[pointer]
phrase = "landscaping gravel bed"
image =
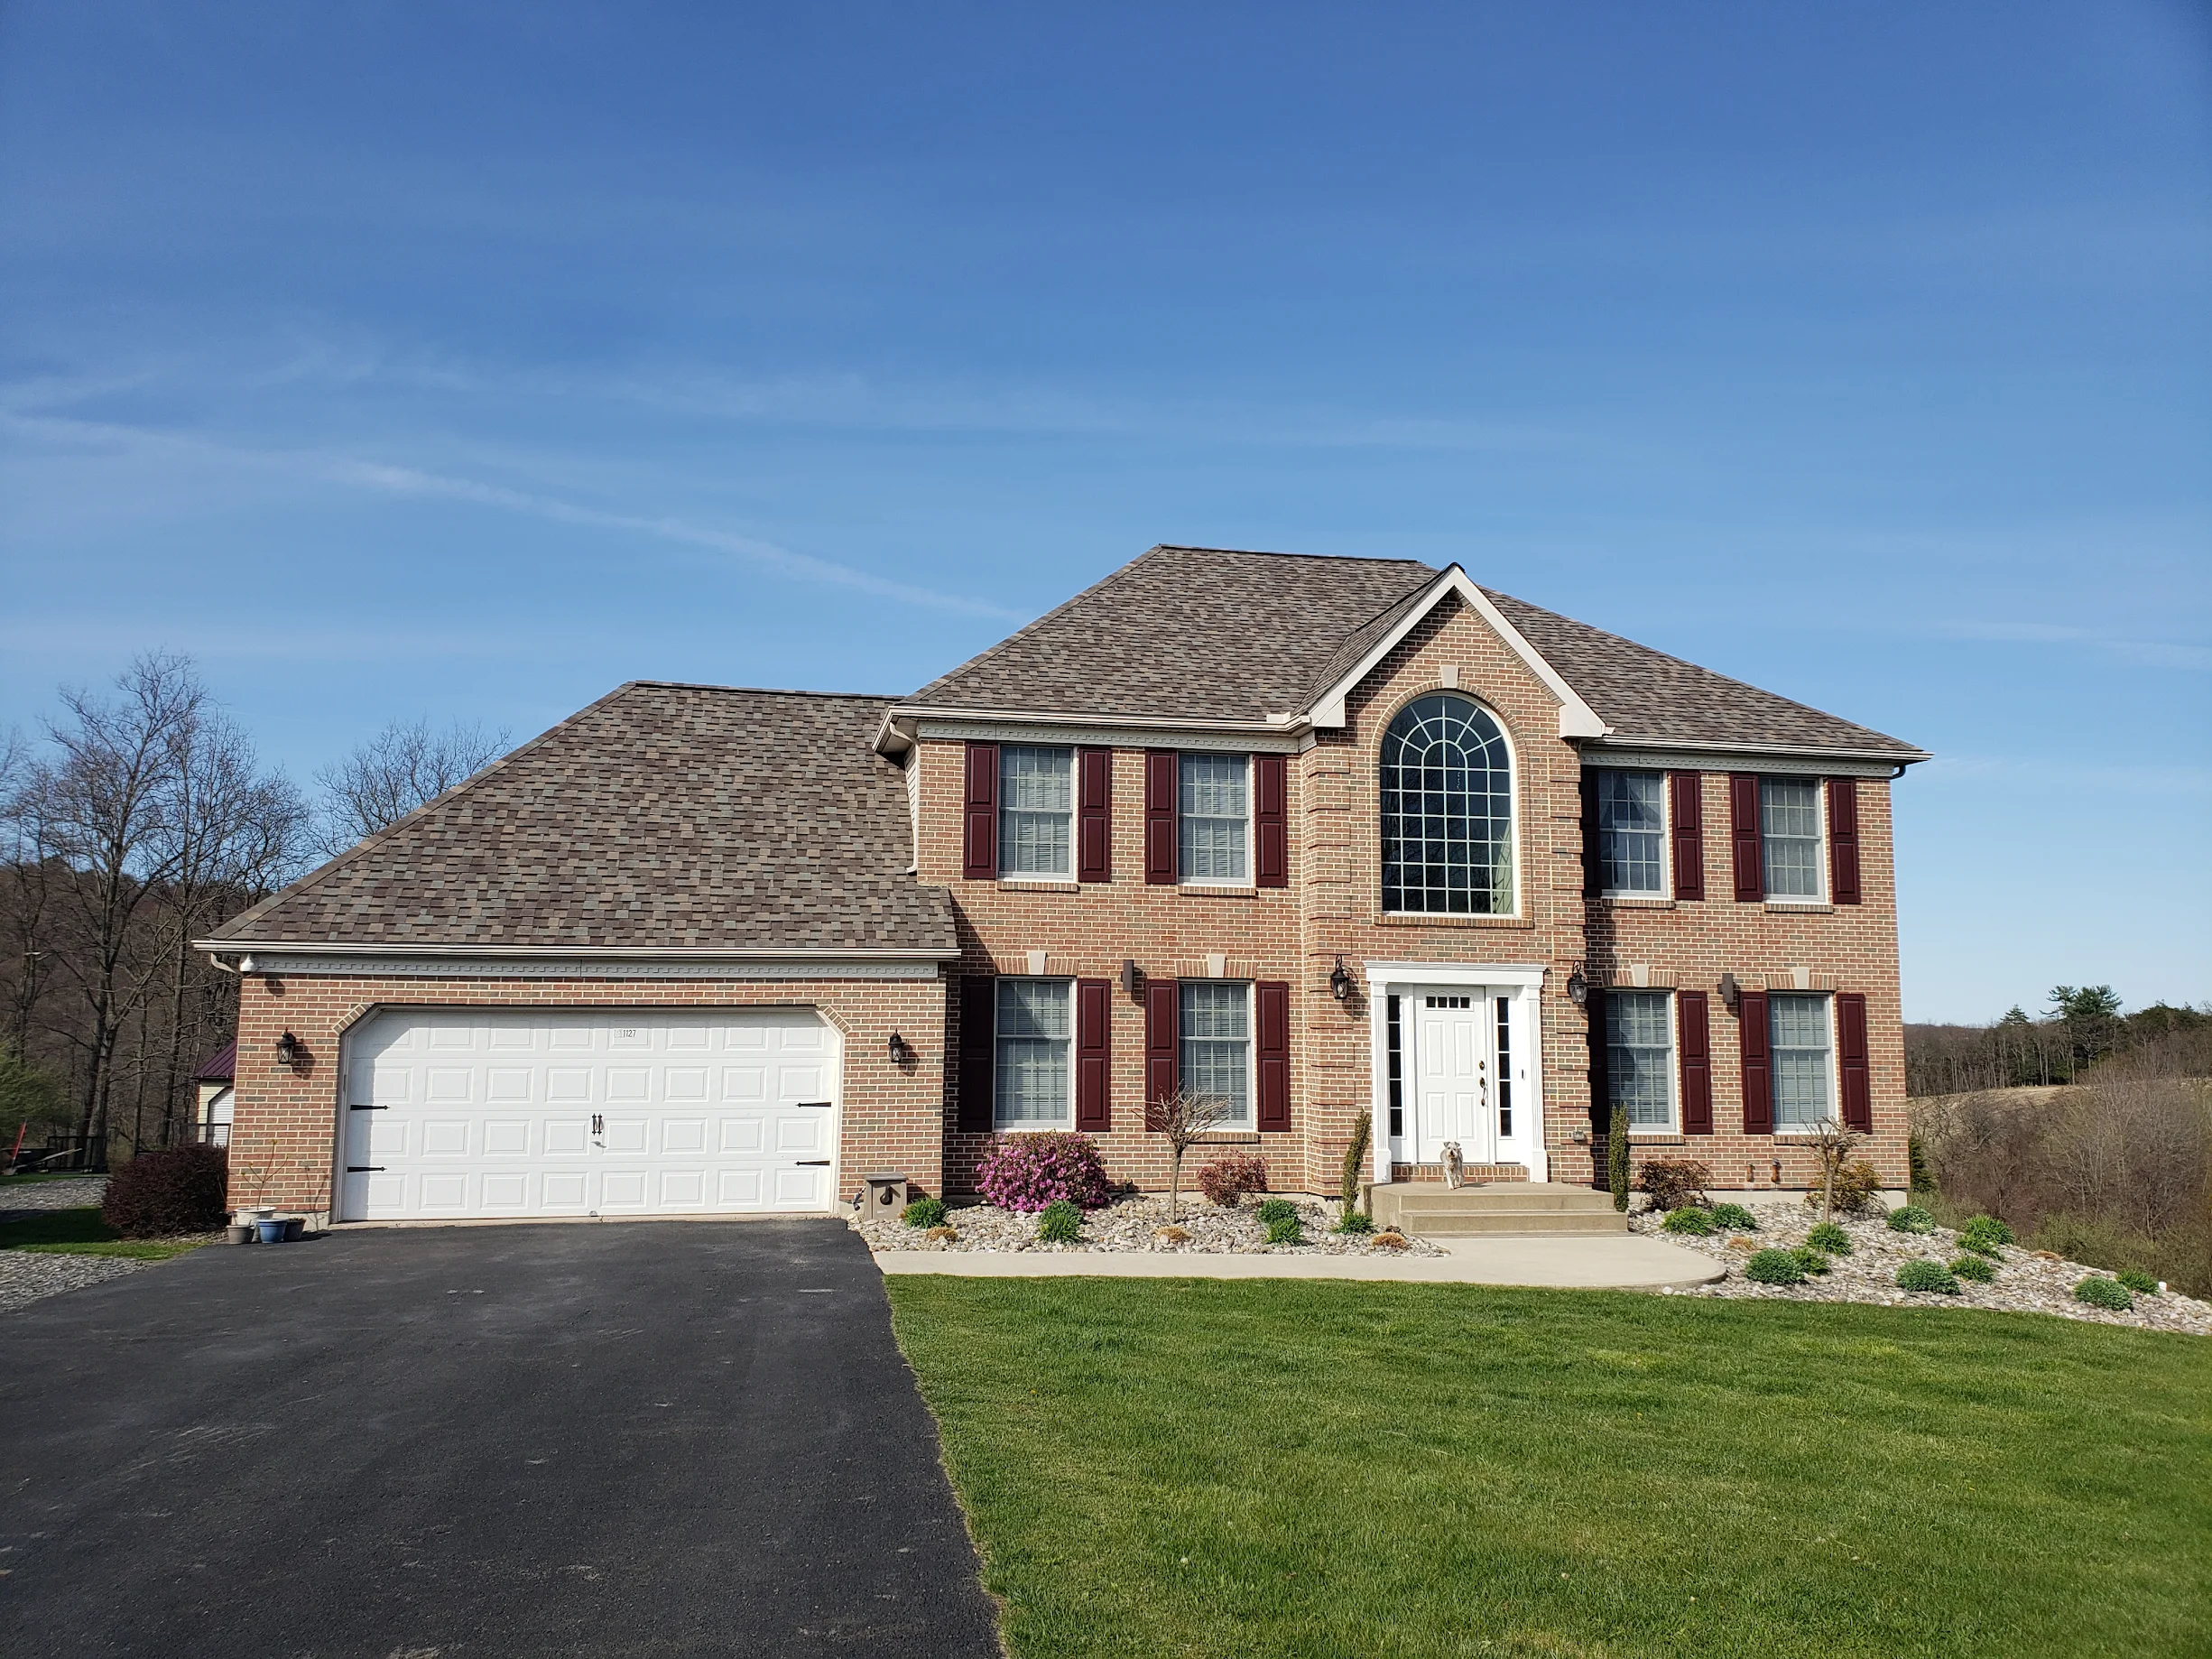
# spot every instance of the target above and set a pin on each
(26, 1275)
(80, 1193)
(2025, 1283)
(1135, 1224)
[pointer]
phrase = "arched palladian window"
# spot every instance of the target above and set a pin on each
(1447, 810)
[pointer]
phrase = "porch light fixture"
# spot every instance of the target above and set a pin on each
(289, 1049)
(901, 1051)
(1578, 988)
(1339, 981)
(1730, 990)
(1132, 977)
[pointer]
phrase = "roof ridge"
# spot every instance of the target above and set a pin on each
(1029, 627)
(765, 690)
(1269, 552)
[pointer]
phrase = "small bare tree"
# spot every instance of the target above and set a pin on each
(1185, 1119)
(1833, 1145)
(403, 766)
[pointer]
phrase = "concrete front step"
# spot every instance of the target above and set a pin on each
(1468, 1224)
(1498, 1206)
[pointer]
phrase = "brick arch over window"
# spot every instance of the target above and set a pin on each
(1446, 808)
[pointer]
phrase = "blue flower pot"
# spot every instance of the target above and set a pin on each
(272, 1232)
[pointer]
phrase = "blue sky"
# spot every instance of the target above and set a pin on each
(467, 360)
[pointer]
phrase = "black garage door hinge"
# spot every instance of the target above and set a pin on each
(365, 1169)
(813, 1163)
(368, 1109)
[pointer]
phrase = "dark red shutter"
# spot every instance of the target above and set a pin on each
(1093, 814)
(1160, 787)
(1593, 865)
(1751, 1036)
(1601, 1096)
(978, 1030)
(979, 842)
(1274, 997)
(1843, 841)
(1162, 1066)
(1744, 831)
(1686, 801)
(1694, 1037)
(1858, 1099)
(1270, 829)
(1094, 1021)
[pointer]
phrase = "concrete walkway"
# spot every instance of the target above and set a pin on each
(1608, 1261)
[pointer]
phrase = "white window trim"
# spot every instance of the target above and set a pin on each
(1524, 982)
(1074, 816)
(1834, 1069)
(1666, 839)
(1512, 812)
(1250, 879)
(1673, 1125)
(1251, 1051)
(1821, 857)
(1073, 1014)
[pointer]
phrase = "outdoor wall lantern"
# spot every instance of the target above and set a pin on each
(1132, 977)
(1339, 981)
(901, 1051)
(1578, 988)
(289, 1049)
(1730, 990)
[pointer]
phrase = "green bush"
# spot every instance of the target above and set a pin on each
(1811, 1260)
(1830, 1238)
(2107, 1293)
(924, 1213)
(1735, 1217)
(1984, 1234)
(1059, 1222)
(1691, 1221)
(1774, 1267)
(2138, 1281)
(1926, 1275)
(1274, 1210)
(1911, 1218)
(1285, 1229)
(1353, 1221)
(1978, 1268)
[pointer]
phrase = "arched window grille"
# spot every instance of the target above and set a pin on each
(1447, 810)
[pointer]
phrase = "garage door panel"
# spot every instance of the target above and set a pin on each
(741, 1188)
(509, 1084)
(568, 1137)
(627, 1135)
(567, 1083)
(506, 1138)
(744, 1134)
(623, 1189)
(385, 1137)
(628, 1083)
(801, 1189)
(800, 1132)
(683, 1190)
(566, 1189)
(684, 1135)
(506, 1190)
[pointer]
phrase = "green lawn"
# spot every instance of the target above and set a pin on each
(81, 1232)
(1291, 1468)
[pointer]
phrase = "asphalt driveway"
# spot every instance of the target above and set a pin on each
(641, 1439)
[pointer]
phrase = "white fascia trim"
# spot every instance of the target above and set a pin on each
(613, 966)
(1576, 717)
(1627, 753)
(1521, 975)
(1229, 736)
(582, 953)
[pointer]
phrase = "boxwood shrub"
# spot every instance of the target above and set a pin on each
(1689, 1221)
(1978, 1268)
(924, 1213)
(1774, 1267)
(1926, 1275)
(1830, 1238)
(2107, 1293)
(1984, 1234)
(1911, 1218)
(1735, 1217)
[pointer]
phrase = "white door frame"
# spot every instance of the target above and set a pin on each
(1522, 982)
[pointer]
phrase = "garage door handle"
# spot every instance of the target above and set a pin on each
(365, 1169)
(813, 1163)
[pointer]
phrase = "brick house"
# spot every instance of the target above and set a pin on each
(1320, 836)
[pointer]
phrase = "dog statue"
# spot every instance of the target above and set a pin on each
(1455, 1166)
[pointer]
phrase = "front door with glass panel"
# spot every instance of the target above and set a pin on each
(1453, 1062)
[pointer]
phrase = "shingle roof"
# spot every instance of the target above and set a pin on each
(1199, 633)
(662, 816)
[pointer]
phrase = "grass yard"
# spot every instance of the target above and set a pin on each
(81, 1232)
(1287, 1468)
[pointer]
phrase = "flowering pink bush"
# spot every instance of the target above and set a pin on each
(1028, 1171)
(1225, 1180)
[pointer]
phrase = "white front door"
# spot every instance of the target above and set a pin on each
(1452, 1061)
(476, 1112)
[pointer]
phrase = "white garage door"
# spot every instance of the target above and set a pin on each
(471, 1112)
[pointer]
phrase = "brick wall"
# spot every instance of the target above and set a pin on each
(289, 1121)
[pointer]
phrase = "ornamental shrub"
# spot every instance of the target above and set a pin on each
(1774, 1267)
(1028, 1171)
(1274, 1210)
(924, 1213)
(1059, 1222)
(1978, 1268)
(2107, 1293)
(1225, 1180)
(1674, 1183)
(1735, 1217)
(1353, 1221)
(1830, 1238)
(1811, 1260)
(2138, 1281)
(1285, 1229)
(1911, 1218)
(1984, 1234)
(1690, 1220)
(159, 1194)
(1857, 1189)
(1926, 1275)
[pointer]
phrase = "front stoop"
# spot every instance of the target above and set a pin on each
(1432, 1211)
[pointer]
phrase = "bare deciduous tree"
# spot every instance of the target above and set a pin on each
(403, 766)
(1184, 1118)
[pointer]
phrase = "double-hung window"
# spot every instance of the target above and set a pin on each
(1215, 1047)
(1798, 1031)
(1790, 837)
(1036, 811)
(1214, 818)
(1033, 1084)
(1632, 832)
(1640, 1058)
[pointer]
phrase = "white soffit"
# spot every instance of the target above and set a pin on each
(1576, 717)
